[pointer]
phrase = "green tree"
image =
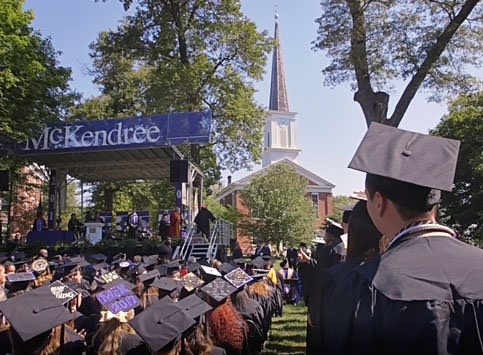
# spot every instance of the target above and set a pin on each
(341, 202)
(228, 213)
(425, 44)
(33, 88)
(188, 55)
(463, 207)
(277, 198)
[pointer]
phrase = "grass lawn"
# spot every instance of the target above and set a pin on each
(288, 332)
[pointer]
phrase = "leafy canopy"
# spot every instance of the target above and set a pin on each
(33, 87)
(463, 207)
(278, 199)
(426, 44)
(187, 55)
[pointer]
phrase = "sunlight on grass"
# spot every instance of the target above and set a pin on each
(287, 335)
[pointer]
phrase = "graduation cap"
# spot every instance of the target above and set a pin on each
(334, 228)
(173, 267)
(190, 281)
(3, 258)
(238, 277)
(420, 163)
(117, 282)
(19, 281)
(39, 265)
(148, 277)
(165, 284)
(98, 259)
(218, 289)
(194, 306)
(35, 312)
(258, 263)
(240, 261)
(118, 297)
(62, 292)
(100, 266)
(204, 261)
(163, 269)
(78, 260)
(150, 260)
(193, 267)
(225, 268)
(161, 324)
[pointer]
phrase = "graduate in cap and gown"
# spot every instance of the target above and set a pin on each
(424, 294)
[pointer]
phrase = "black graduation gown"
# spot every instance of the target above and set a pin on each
(422, 296)
(324, 258)
(203, 219)
(253, 313)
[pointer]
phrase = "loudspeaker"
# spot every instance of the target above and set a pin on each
(178, 171)
(4, 180)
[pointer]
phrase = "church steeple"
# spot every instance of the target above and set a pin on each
(280, 125)
(278, 89)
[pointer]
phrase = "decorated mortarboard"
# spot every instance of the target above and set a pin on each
(108, 277)
(238, 277)
(117, 282)
(190, 281)
(39, 265)
(34, 312)
(62, 292)
(211, 271)
(410, 157)
(118, 297)
(218, 289)
(165, 283)
(161, 324)
(225, 268)
(194, 306)
(148, 276)
(192, 267)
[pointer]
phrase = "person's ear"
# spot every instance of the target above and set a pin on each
(381, 203)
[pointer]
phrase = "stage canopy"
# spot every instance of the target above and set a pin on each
(116, 149)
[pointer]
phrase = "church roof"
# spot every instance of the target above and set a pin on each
(315, 184)
(278, 88)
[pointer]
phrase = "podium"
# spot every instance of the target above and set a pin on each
(94, 231)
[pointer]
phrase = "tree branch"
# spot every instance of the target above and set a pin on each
(433, 55)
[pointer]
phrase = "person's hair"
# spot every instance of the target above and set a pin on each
(411, 201)
(227, 326)
(31, 346)
(196, 343)
(260, 288)
(109, 336)
(53, 346)
(363, 236)
(43, 278)
(146, 295)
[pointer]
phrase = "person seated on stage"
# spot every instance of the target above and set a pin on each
(39, 223)
(98, 218)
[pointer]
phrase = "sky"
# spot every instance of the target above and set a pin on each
(330, 125)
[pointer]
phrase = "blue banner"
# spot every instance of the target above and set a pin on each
(121, 133)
